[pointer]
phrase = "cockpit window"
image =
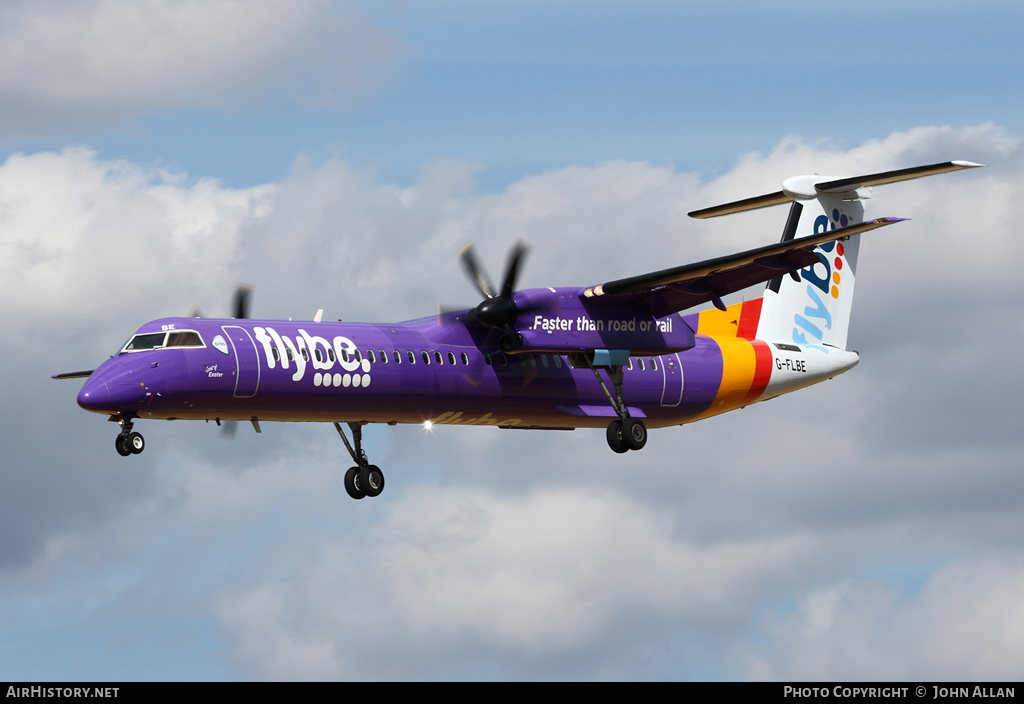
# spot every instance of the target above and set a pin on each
(156, 340)
(184, 338)
(148, 341)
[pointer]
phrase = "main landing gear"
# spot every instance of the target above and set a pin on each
(364, 479)
(625, 433)
(127, 442)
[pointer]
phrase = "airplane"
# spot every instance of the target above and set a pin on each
(622, 355)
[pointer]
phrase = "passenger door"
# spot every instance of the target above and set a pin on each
(247, 363)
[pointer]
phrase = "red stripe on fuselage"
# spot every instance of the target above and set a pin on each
(749, 318)
(763, 361)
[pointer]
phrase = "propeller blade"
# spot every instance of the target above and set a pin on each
(476, 273)
(515, 258)
(241, 307)
(228, 429)
(194, 312)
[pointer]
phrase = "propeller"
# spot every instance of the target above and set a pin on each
(241, 302)
(240, 305)
(498, 309)
(240, 308)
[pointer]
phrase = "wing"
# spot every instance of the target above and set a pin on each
(670, 290)
(73, 375)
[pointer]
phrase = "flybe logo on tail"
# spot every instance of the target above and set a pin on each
(816, 318)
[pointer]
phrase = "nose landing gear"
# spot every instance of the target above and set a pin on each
(128, 443)
(364, 479)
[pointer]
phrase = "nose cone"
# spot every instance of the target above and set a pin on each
(110, 389)
(94, 396)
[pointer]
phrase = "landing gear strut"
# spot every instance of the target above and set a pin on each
(625, 433)
(127, 442)
(364, 479)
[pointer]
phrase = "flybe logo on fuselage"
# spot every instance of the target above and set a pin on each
(316, 352)
(830, 258)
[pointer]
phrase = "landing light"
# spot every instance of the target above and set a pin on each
(428, 426)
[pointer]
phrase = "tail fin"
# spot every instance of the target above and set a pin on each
(815, 310)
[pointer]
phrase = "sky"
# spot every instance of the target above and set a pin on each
(337, 155)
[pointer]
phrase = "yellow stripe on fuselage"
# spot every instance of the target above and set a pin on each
(717, 323)
(738, 366)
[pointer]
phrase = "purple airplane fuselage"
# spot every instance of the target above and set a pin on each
(440, 369)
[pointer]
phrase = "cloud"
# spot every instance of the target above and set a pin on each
(965, 624)
(86, 245)
(103, 61)
(453, 575)
(518, 554)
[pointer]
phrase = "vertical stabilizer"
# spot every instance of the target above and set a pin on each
(816, 310)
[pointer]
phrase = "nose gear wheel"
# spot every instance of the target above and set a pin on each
(128, 443)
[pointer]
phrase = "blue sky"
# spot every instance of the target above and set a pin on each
(521, 88)
(337, 155)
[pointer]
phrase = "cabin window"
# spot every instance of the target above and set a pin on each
(487, 359)
(371, 356)
(439, 358)
(629, 364)
(359, 356)
(558, 361)
(504, 359)
(277, 355)
(451, 358)
(384, 356)
(398, 357)
(533, 361)
(465, 359)
(412, 358)
(288, 353)
(344, 355)
(426, 357)
(330, 355)
(654, 364)
(184, 338)
(305, 355)
(642, 367)
(319, 356)
(148, 341)
(544, 360)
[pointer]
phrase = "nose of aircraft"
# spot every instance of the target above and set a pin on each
(111, 388)
(94, 396)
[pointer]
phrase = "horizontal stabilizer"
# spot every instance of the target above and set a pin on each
(807, 187)
(738, 206)
(844, 185)
(679, 288)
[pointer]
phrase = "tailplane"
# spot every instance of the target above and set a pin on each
(812, 307)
